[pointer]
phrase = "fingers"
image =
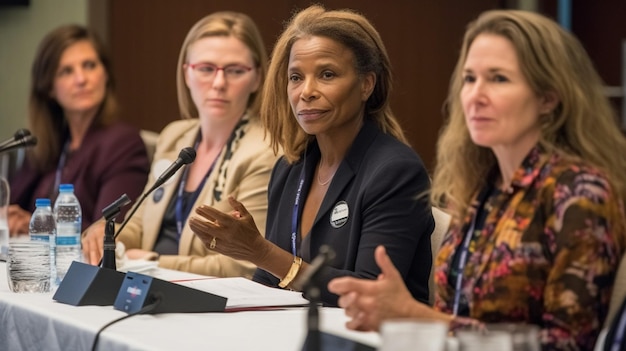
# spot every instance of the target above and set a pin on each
(204, 230)
(357, 323)
(361, 309)
(383, 261)
(340, 286)
(198, 226)
(238, 207)
(208, 212)
(348, 303)
(91, 251)
(347, 300)
(344, 285)
(18, 220)
(93, 243)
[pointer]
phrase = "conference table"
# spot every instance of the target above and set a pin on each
(34, 321)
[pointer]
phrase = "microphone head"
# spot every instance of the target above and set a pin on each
(187, 155)
(21, 133)
(30, 140)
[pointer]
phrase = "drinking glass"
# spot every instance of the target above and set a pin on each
(28, 266)
(4, 224)
(525, 337)
(476, 340)
(413, 334)
(500, 336)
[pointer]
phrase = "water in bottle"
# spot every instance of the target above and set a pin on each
(68, 216)
(42, 227)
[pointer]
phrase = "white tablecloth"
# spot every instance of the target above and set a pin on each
(36, 322)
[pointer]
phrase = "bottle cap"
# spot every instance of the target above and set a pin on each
(66, 188)
(42, 203)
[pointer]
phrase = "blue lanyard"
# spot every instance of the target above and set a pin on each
(60, 166)
(464, 253)
(180, 216)
(294, 216)
(461, 265)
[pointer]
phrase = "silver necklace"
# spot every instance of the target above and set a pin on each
(319, 180)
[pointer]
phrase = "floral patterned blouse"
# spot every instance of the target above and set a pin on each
(546, 253)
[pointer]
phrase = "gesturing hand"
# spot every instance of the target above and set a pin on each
(19, 220)
(93, 242)
(233, 234)
(370, 302)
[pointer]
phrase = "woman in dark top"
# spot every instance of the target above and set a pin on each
(72, 112)
(348, 178)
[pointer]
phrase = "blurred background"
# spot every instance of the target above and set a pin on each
(421, 36)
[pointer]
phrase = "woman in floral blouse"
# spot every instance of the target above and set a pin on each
(531, 167)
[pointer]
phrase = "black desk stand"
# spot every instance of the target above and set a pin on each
(85, 284)
(109, 213)
(108, 255)
(311, 287)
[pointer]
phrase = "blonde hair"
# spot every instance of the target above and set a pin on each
(353, 31)
(224, 24)
(45, 117)
(583, 125)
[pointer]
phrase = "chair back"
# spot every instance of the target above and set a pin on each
(442, 222)
(150, 140)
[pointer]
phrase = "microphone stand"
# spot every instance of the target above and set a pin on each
(311, 287)
(109, 213)
(85, 284)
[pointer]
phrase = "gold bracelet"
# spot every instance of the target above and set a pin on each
(293, 271)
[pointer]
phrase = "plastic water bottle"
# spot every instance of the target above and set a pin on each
(42, 227)
(68, 215)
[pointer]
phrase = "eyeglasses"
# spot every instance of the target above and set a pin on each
(208, 71)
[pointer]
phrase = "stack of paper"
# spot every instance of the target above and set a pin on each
(244, 294)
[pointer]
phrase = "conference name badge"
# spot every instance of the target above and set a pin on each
(339, 215)
(158, 194)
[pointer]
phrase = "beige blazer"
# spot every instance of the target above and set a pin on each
(247, 176)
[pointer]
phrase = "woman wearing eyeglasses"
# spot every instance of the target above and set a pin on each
(221, 69)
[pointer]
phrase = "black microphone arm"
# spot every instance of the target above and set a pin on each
(186, 156)
(23, 142)
(311, 287)
(109, 213)
(309, 277)
(19, 134)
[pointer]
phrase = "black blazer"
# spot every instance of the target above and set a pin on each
(384, 185)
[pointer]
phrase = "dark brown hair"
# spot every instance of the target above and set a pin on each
(46, 118)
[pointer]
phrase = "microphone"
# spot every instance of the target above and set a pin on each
(309, 277)
(26, 141)
(185, 156)
(85, 284)
(109, 213)
(310, 284)
(19, 134)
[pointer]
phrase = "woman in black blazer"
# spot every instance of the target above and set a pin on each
(347, 180)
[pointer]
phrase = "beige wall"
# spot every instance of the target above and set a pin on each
(21, 29)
